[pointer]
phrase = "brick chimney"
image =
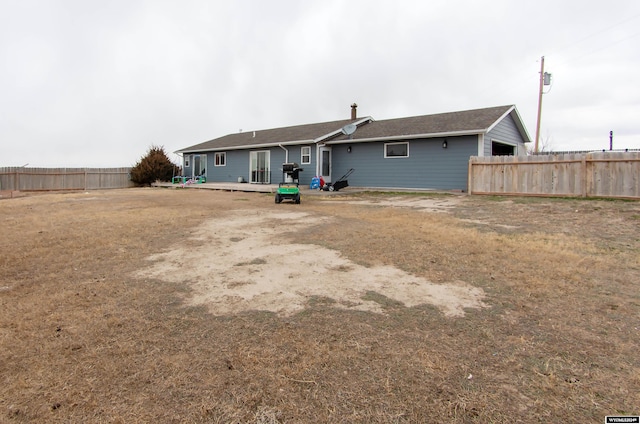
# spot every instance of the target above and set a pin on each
(353, 111)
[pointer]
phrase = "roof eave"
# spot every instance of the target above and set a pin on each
(274, 144)
(247, 146)
(513, 111)
(520, 125)
(409, 137)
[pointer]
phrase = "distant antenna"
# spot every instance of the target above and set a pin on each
(349, 129)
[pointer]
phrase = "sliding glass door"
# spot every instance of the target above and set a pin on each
(260, 167)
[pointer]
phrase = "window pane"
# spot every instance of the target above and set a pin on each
(326, 163)
(220, 159)
(305, 155)
(399, 149)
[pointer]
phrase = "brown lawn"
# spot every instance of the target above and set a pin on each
(159, 305)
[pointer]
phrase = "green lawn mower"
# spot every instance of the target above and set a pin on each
(289, 189)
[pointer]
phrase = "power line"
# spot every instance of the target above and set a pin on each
(517, 81)
(597, 33)
(600, 49)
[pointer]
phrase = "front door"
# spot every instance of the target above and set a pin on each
(260, 167)
(325, 163)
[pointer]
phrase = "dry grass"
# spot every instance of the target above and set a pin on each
(81, 340)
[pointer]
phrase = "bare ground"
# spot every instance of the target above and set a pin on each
(190, 306)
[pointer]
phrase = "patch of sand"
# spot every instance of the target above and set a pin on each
(426, 204)
(241, 263)
(479, 222)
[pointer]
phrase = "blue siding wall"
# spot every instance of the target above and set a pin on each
(238, 162)
(428, 166)
(309, 168)
(237, 165)
(186, 171)
(505, 131)
(278, 157)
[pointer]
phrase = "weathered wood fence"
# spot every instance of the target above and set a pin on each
(45, 179)
(597, 174)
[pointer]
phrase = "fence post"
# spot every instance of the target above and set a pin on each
(584, 179)
(470, 176)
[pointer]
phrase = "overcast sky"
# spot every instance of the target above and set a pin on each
(95, 83)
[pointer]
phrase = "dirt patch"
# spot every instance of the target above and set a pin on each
(243, 263)
(425, 203)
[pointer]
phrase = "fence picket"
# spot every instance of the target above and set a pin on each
(597, 174)
(45, 179)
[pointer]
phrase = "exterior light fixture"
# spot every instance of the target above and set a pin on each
(445, 144)
(349, 149)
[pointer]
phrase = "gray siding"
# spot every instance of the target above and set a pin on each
(295, 155)
(279, 156)
(238, 162)
(428, 166)
(237, 165)
(505, 131)
(277, 159)
(186, 170)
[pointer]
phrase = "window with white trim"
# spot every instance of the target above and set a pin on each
(220, 159)
(396, 150)
(305, 155)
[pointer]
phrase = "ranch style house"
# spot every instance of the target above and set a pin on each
(419, 152)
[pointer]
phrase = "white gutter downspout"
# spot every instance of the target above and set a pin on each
(286, 154)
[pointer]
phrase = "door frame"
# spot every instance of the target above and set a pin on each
(202, 165)
(321, 164)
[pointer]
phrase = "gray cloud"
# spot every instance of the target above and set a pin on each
(94, 84)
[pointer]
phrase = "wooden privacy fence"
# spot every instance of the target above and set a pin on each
(44, 179)
(597, 174)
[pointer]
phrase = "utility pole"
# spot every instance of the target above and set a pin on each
(539, 104)
(610, 140)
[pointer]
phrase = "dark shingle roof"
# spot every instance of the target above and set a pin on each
(468, 121)
(298, 133)
(463, 122)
